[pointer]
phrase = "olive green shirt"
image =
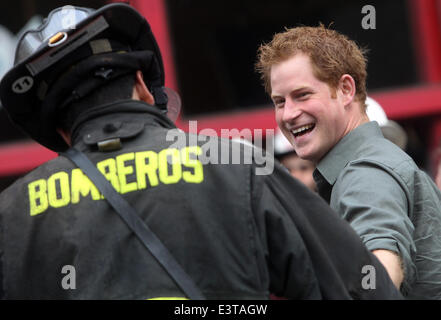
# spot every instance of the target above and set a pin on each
(390, 203)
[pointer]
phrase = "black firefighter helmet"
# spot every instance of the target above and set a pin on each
(72, 53)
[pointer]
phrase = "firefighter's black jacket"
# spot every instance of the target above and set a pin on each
(238, 234)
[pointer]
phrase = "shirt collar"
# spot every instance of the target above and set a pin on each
(346, 150)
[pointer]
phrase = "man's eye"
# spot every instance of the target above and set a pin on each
(278, 103)
(303, 94)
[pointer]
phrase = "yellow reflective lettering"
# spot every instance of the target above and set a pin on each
(123, 171)
(108, 169)
(149, 169)
(197, 176)
(168, 298)
(81, 185)
(172, 157)
(37, 196)
(63, 179)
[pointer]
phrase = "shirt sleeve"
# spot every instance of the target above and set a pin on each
(312, 252)
(375, 203)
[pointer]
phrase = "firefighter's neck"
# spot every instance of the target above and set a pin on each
(140, 92)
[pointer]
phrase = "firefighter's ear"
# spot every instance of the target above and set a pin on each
(65, 135)
(140, 90)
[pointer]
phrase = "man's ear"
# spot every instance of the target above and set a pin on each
(140, 90)
(347, 89)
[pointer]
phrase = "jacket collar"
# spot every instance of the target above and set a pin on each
(124, 119)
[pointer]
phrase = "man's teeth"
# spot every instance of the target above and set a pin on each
(301, 129)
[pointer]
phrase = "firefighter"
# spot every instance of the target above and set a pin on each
(93, 85)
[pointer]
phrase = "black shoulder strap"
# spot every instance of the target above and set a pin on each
(131, 218)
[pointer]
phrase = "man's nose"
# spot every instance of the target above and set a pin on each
(291, 111)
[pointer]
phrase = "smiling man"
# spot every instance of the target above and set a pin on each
(314, 132)
(316, 78)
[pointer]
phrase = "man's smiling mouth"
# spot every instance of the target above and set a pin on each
(303, 129)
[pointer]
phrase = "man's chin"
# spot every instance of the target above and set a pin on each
(303, 154)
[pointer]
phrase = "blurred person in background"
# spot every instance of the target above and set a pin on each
(299, 168)
(438, 175)
(438, 167)
(316, 78)
(391, 129)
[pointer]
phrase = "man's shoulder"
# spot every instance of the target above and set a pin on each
(380, 165)
(383, 153)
